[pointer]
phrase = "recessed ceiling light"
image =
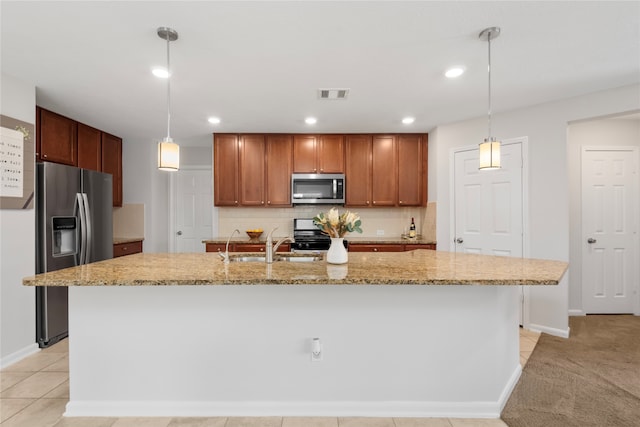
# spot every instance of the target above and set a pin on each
(310, 120)
(213, 120)
(408, 120)
(160, 72)
(454, 72)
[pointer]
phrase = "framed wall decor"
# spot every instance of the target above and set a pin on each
(17, 163)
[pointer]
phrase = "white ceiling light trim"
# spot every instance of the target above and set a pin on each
(454, 72)
(162, 73)
(311, 120)
(214, 120)
(408, 120)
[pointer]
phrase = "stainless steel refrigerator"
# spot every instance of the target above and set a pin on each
(73, 227)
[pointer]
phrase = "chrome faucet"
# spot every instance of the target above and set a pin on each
(270, 248)
(225, 255)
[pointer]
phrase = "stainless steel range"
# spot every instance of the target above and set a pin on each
(309, 238)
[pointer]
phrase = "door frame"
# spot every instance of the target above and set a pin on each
(173, 207)
(524, 142)
(636, 207)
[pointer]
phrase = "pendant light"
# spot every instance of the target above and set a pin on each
(168, 151)
(490, 148)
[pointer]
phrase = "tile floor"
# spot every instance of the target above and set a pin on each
(34, 392)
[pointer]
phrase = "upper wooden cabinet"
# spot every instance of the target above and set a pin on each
(112, 163)
(384, 167)
(225, 160)
(380, 170)
(89, 148)
(278, 170)
(358, 170)
(386, 170)
(412, 170)
(252, 170)
(58, 138)
(63, 140)
(318, 153)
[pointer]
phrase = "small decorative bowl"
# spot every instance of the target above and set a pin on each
(254, 235)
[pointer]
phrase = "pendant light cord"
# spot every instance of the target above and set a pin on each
(168, 90)
(489, 97)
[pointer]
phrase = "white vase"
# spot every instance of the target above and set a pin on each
(337, 253)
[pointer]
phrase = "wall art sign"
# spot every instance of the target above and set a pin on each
(17, 164)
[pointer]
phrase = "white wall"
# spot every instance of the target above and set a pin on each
(546, 127)
(601, 132)
(17, 245)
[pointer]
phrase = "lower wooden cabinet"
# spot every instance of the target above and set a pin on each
(244, 247)
(388, 247)
(122, 249)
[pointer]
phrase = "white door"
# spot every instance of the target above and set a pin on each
(193, 201)
(488, 204)
(609, 229)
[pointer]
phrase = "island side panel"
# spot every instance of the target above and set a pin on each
(246, 350)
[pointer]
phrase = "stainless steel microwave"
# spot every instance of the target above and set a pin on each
(317, 188)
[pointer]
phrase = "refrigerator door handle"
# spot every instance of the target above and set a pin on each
(83, 228)
(89, 243)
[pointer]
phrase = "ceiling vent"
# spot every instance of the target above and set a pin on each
(333, 93)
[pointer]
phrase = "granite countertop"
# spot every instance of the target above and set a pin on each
(420, 267)
(351, 239)
(120, 240)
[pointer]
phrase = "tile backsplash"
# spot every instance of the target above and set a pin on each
(391, 221)
(128, 221)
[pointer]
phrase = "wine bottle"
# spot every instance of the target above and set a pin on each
(412, 229)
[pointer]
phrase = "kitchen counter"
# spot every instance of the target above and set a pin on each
(159, 343)
(421, 267)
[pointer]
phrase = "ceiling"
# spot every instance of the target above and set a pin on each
(258, 65)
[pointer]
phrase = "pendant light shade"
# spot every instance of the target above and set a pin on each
(168, 151)
(168, 155)
(490, 148)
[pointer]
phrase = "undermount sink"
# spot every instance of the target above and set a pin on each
(284, 257)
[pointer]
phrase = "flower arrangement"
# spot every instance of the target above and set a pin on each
(337, 225)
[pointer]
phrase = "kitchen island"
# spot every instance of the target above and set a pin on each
(419, 333)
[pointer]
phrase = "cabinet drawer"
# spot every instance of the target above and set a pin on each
(257, 247)
(411, 247)
(375, 248)
(122, 249)
(215, 247)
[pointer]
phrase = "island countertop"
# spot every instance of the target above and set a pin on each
(420, 267)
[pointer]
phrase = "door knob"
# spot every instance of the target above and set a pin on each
(179, 233)
(591, 240)
(459, 240)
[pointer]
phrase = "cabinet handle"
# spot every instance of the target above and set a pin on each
(124, 248)
(262, 202)
(321, 170)
(44, 155)
(269, 202)
(375, 249)
(367, 202)
(400, 202)
(374, 202)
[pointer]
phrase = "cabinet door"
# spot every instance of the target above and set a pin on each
(251, 166)
(411, 178)
(384, 163)
(225, 170)
(122, 249)
(89, 148)
(358, 170)
(304, 154)
(279, 166)
(58, 138)
(330, 153)
(365, 247)
(112, 163)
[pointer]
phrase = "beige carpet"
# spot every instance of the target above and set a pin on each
(591, 379)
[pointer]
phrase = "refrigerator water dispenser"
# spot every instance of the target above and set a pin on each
(64, 235)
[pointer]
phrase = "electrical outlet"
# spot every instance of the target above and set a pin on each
(380, 233)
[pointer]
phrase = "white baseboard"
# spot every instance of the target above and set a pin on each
(562, 333)
(285, 409)
(17, 356)
(508, 388)
(577, 313)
